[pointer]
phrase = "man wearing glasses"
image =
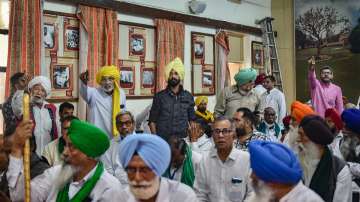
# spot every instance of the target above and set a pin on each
(223, 174)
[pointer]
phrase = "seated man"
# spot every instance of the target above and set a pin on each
(276, 174)
(269, 126)
(125, 124)
(184, 162)
(224, 172)
(145, 158)
(52, 152)
(199, 138)
(80, 178)
(324, 173)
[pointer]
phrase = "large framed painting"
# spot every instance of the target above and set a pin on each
(257, 55)
(333, 42)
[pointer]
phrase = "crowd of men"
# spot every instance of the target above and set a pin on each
(249, 149)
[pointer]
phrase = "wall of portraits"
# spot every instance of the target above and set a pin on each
(203, 60)
(137, 60)
(61, 44)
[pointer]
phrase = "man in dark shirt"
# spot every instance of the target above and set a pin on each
(172, 111)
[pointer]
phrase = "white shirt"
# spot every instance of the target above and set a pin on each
(42, 130)
(259, 89)
(214, 178)
(202, 145)
(169, 191)
(100, 105)
(112, 163)
(51, 153)
(301, 193)
(275, 99)
(177, 172)
(106, 189)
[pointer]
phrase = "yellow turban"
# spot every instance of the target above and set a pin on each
(201, 99)
(176, 65)
(112, 71)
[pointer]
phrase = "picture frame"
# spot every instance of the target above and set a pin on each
(257, 55)
(61, 76)
(148, 78)
(49, 33)
(198, 49)
(207, 78)
(127, 77)
(72, 38)
(137, 44)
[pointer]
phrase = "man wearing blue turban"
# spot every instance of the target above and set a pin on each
(239, 95)
(145, 158)
(276, 174)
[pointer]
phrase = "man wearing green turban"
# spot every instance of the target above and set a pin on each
(239, 95)
(80, 178)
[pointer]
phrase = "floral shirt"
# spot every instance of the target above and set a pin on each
(255, 136)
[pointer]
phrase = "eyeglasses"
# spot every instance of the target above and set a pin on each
(126, 123)
(142, 170)
(224, 131)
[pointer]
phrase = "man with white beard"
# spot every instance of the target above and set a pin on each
(276, 174)
(324, 173)
(81, 178)
(145, 158)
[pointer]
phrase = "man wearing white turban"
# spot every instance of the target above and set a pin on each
(145, 158)
(42, 113)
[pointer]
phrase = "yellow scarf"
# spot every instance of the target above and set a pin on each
(207, 116)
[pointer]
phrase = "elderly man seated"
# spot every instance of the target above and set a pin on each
(145, 158)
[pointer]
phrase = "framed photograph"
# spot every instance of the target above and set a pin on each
(257, 54)
(137, 44)
(199, 49)
(49, 36)
(61, 76)
(148, 78)
(127, 77)
(207, 78)
(71, 39)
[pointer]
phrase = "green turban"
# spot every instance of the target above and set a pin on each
(245, 76)
(88, 138)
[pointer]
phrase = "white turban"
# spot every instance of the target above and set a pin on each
(17, 103)
(43, 81)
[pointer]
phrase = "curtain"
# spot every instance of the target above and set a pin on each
(170, 44)
(24, 51)
(222, 52)
(99, 43)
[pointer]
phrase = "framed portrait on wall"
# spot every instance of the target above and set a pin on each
(127, 77)
(148, 78)
(199, 49)
(207, 78)
(137, 44)
(257, 55)
(49, 36)
(61, 76)
(71, 38)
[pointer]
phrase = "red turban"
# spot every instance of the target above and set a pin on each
(259, 79)
(300, 110)
(335, 117)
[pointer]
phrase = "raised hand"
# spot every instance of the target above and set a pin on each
(84, 77)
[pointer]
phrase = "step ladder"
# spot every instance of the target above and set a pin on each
(272, 65)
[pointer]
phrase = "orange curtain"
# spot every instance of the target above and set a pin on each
(24, 51)
(102, 30)
(222, 49)
(170, 44)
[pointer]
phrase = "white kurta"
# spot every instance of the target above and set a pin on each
(214, 181)
(301, 193)
(275, 99)
(100, 106)
(203, 145)
(170, 191)
(106, 189)
(42, 130)
(176, 173)
(259, 89)
(51, 153)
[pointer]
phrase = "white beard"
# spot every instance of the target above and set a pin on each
(66, 174)
(146, 189)
(261, 193)
(309, 157)
(292, 139)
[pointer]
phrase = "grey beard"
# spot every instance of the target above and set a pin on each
(261, 193)
(65, 176)
(347, 147)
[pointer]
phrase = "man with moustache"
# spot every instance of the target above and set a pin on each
(106, 101)
(241, 94)
(324, 94)
(81, 178)
(223, 174)
(43, 113)
(125, 124)
(172, 110)
(324, 173)
(145, 158)
(245, 129)
(276, 174)
(201, 111)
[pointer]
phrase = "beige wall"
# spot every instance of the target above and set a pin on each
(282, 11)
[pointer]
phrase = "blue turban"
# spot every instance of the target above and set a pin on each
(351, 117)
(245, 76)
(152, 149)
(274, 162)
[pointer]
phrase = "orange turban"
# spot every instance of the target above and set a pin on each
(300, 110)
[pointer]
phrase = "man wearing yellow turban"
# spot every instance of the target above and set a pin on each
(105, 101)
(201, 111)
(239, 95)
(172, 109)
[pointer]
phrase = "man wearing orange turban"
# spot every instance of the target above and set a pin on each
(299, 111)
